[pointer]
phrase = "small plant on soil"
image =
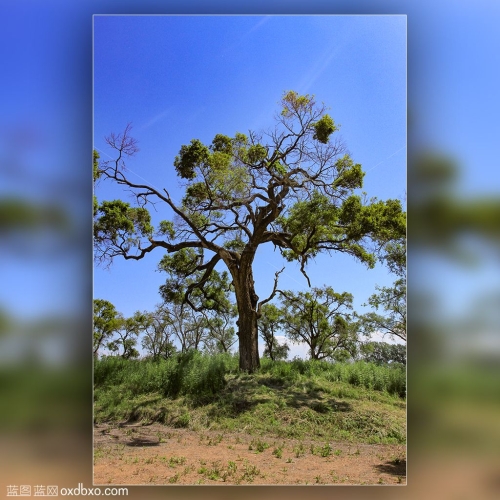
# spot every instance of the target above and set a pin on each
(215, 441)
(250, 471)
(173, 461)
(258, 445)
(215, 472)
(326, 450)
(299, 450)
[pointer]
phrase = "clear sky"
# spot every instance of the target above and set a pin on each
(182, 77)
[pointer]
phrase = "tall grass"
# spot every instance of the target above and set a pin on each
(388, 378)
(202, 376)
(192, 373)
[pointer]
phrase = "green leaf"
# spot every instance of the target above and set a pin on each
(118, 219)
(222, 143)
(323, 128)
(167, 228)
(189, 158)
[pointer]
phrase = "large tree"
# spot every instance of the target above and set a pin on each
(292, 186)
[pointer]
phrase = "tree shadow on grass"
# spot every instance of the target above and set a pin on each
(141, 442)
(244, 395)
(394, 467)
(314, 400)
(136, 413)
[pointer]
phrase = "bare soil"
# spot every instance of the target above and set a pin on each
(156, 454)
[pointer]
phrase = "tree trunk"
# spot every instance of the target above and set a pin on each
(246, 300)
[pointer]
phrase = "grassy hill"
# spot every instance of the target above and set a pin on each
(359, 402)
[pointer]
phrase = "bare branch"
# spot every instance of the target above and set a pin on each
(273, 293)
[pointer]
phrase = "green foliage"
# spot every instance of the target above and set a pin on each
(395, 257)
(321, 318)
(389, 302)
(222, 144)
(122, 225)
(181, 263)
(392, 321)
(383, 353)
(323, 128)
(269, 324)
(95, 162)
(317, 224)
(256, 153)
(167, 228)
(350, 175)
(310, 222)
(236, 244)
(279, 168)
(222, 177)
(195, 194)
(106, 322)
(156, 328)
(383, 220)
(294, 104)
(127, 331)
(183, 275)
(189, 158)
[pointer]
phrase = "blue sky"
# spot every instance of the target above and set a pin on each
(182, 77)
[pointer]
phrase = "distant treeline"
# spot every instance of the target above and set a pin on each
(319, 318)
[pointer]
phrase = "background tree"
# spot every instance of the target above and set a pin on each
(188, 326)
(269, 325)
(390, 301)
(221, 333)
(292, 186)
(106, 323)
(320, 318)
(383, 353)
(156, 340)
(127, 332)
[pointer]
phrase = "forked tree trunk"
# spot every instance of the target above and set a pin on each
(246, 300)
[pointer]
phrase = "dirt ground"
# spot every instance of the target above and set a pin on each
(156, 454)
